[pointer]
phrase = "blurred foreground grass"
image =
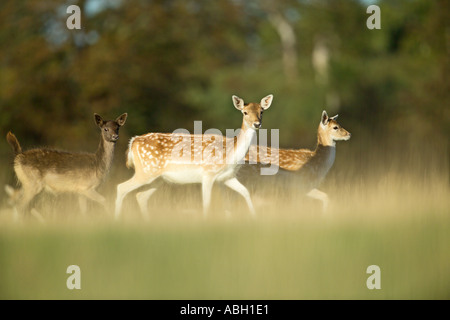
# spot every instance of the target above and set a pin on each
(290, 251)
(393, 212)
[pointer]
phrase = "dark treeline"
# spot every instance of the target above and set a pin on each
(168, 63)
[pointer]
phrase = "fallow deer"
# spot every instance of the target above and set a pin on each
(191, 158)
(307, 167)
(60, 171)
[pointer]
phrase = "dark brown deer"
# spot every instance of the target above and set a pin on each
(60, 171)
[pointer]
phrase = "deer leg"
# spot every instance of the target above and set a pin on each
(226, 200)
(235, 185)
(13, 196)
(207, 184)
(37, 215)
(82, 201)
(29, 192)
(142, 198)
(319, 195)
(126, 187)
(94, 196)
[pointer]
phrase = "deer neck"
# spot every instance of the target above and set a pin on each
(325, 153)
(243, 142)
(104, 157)
(324, 139)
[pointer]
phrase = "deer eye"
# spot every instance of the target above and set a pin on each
(245, 113)
(335, 128)
(106, 129)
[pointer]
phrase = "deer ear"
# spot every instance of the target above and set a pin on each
(121, 120)
(98, 120)
(335, 117)
(325, 118)
(266, 101)
(238, 102)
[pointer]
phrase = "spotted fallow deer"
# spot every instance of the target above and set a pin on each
(60, 171)
(307, 167)
(183, 158)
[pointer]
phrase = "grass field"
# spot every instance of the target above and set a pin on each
(398, 221)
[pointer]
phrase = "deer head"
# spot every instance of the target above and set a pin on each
(331, 131)
(252, 111)
(110, 129)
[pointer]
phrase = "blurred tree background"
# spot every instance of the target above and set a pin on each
(170, 62)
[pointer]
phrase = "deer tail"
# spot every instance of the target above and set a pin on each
(14, 143)
(129, 154)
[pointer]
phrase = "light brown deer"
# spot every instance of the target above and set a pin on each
(60, 171)
(190, 158)
(308, 167)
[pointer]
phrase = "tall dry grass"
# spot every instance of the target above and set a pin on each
(388, 207)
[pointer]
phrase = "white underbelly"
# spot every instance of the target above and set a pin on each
(184, 176)
(195, 175)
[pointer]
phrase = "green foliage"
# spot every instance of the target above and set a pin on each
(168, 63)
